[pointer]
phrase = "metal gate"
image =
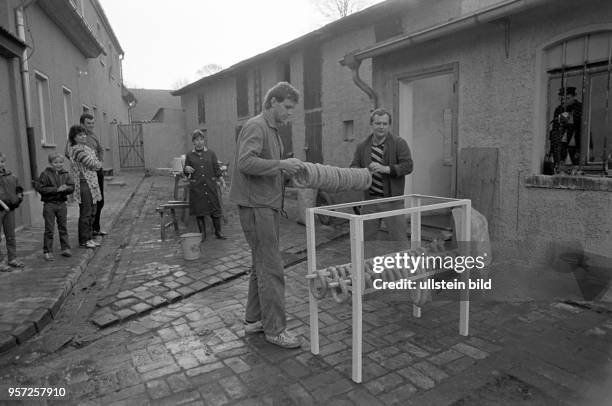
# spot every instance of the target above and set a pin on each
(131, 148)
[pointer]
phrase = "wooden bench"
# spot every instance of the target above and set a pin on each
(170, 209)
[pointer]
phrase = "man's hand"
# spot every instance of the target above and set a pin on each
(189, 169)
(291, 165)
(378, 168)
(62, 188)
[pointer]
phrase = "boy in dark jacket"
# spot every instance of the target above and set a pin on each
(11, 196)
(54, 185)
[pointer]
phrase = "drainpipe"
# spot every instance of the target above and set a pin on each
(25, 84)
(353, 64)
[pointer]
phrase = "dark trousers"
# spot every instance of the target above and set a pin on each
(7, 222)
(87, 212)
(100, 203)
(53, 211)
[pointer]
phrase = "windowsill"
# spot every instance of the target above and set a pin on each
(44, 145)
(596, 184)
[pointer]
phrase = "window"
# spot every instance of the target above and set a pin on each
(349, 130)
(242, 95)
(68, 114)
(312, 77)
(201, 108)
(44, 109)
(286, 71)
(256, 91)
(579, 99)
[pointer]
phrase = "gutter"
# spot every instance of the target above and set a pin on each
(353, 59)
(25, 84)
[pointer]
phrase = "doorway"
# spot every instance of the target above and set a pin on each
(427, 112)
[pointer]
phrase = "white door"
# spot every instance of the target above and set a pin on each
(426, 108)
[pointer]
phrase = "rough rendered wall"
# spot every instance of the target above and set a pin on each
(497, 109)
(342, 99)
(164, 140)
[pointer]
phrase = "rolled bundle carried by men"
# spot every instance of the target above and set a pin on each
(332, 178)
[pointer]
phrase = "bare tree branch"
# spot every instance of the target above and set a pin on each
(208, 70)
(335, 9)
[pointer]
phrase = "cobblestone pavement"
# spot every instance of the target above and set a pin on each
(194, 351)
(30, 297)
(143, 281)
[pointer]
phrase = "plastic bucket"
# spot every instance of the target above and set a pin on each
(191, 245)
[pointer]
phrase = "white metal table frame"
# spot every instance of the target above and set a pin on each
(412, 206)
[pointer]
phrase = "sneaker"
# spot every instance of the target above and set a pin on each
(254, 327)
(285, 340)
(48, 256)
(66, 253)
(88, 244)
(100, 233)
(95, 243)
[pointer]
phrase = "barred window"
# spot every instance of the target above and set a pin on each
(578, 100)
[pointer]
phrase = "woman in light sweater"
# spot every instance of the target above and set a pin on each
(84, 165)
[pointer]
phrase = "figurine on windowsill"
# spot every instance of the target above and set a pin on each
(565, 129)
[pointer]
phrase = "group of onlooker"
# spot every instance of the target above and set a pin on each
(81, 182)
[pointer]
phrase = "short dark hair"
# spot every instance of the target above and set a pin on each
(198, 133)
(380, 112)
(85, 116)
(280, 92)
(53, 156)
(74, 131)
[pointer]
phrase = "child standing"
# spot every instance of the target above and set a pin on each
(54, 186)
(202, 168)
(11, 196)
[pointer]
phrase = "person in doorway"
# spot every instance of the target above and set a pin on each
(566, 128)
(389, 160)
(257, 188)
(203, 170)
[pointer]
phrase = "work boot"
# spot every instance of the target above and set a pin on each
(217, 225)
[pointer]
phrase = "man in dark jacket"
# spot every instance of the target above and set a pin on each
(54, 186)
(388, 159)
(11, 196)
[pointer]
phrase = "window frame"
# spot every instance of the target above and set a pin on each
(540, 127)
(44, 109)
(69, 120)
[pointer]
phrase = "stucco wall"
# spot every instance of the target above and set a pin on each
(342, 99)
(164, 140)
(497, 96)
(96, 86)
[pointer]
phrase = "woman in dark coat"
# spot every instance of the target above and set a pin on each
(202, 169)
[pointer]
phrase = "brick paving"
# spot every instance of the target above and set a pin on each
(143, 282)
(30, 297)
(194, 350)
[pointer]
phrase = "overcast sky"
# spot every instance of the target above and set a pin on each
(165, 42)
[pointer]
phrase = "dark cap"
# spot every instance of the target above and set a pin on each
(569, 91)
